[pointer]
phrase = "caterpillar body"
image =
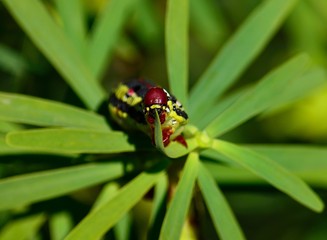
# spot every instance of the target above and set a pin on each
(133, 104)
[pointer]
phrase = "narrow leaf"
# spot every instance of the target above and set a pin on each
(12, 61)
(147, 24)
(223, 218)
(30, 188)
(98, 222)
(307, 162)
(297, 89)
(263, 96)
(105, 33)
(59, 225)
(208, 23)
(9, 126)
(71, 141)
(159, 207)
(23, 228)
(74, 20)
(238, 53)
(271, 172)
(202, 121)
(234, 176)
(5, 149)
(122, 228)
(297, 158)
(178, 208)
(57, 48)
(42, 112)
(177, 47)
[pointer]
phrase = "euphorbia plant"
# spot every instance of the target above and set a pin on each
(80, 135)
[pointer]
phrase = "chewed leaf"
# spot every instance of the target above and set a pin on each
(158, 133)
(174, 149)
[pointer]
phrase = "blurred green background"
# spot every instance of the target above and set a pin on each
(263, 212)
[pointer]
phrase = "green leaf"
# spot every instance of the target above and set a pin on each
(74, 19)
(223, 218)
(177, 47)
(30, 188)
(233, 176)
(71, 141)
(41, 112)
(220, 107)
(98, 222)
(159, 207)
(5, 149)
(23, 228)
(105, 33)
(307, 162)
(12, 61)
(147, 25)
(238, 53)
(296, 90)
(271, 172)
(122, 228)
(297, 158)
(208, 23)
(179, 205)
(9, 126)
(58, 49)
(264, 95)
(59, 225)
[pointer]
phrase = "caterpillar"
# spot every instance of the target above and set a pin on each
(132, 105)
